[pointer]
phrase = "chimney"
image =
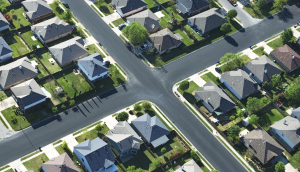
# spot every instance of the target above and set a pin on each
(20, 67)
(249, 143)
(266, 71)
(293, 57)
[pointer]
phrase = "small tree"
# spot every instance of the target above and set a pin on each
(253, 104)
(63, 107)
(225, 28)
(12, 11)
(163, 150)
(64, 145)
(287, 35)
(276, 80)
(278, 4)
(4, 10)
(136, 33)
(280, 167)
(193, 154)
(233, 132)
(98, 127)
(239, 113)
(123, 116)
(156, 162)
(184, 85)
(261, 3)
(232, 14)
(249, 154)
(146, 105)
(253, 119)
(67, 15)
(34, 46)
(232, 117)
(275, 98)
(54, 109)
(131, 168)
(71, 102)
(292, 93)
(137, 107)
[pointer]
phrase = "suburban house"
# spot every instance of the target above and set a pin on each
(190, 166)
(123, 140)
(93, 67)
(127, 7)
(164, 40)
(148, 19)
(14, 1)
(191, 7)
(5, 50)
(262, 69)
(4, 24)
(287, 132)
(214, 99)
(239, 83)
(66, 52)
(28, 94)
(62, 163)
(37, 9)
(16, 72)
(296, 113)
(286, 57)
(207, 20)
(95, 155)
(151, 129)
(51, 30)
(262, 145)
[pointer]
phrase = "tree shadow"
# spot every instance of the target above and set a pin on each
(285, 15)
(189, 97)
(231, 41)
(139, 114)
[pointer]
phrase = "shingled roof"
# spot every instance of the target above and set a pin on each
(147, 18)
(208, 20)
(4, 47)
(128, 5)
(262, 145)
(164, 39)
(214, 97)
(36, 8)
(190, 166)
(263, 68)
(93, 64)
(69, 50)
(287, 56)
(189, 6)
(62, 163)
(3, 21)
(97, 153)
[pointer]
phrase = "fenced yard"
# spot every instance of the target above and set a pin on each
(16, 44)
(16, 14)
(44, 56)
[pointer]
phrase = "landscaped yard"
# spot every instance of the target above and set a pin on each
(44, 56)
(164, 20)
(36, 163)
(225, 68)
(173, 10)
(255, 12)
(50, 86)
(42, 70)
(94, 49)
(118, 22)
(15, 121)
(104, 7)
(58, 11)
(211, 77)
(10, 170)
(16, 44)
(269, 116)
(16, 14)
(27, 35)
(186, 40)
(189, 93)
(92, 134)
(4, 3)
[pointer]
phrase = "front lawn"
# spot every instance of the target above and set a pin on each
(187, 41)
(27, 35)
(36, 163)
(258, 51)
(255, 12)
(92, 134)
(94, 49)
(16, 14)
(15, 121)
(16, 44)
(44, 56)
(50, 86)
(298, 29)
(118, 22)
(230, 66)
(59, 12)
(211, 77)
(41, 69)
(189, 93)
(10, 170)
(268, 116)
(276, 43)
(104, 7)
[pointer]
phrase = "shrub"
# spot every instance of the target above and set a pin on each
(137, 107)
(232, 14)
(163, 150)
(64, 145)
(146, 105)
(71, 102)
(123, 116)
(131, 112)
(184, 85)
(54, 109)
(175, 155)
(4, 10)
(63, 106)
(225, 28)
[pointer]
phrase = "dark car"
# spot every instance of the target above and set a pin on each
(65, 4)
(122, 26)
(232, 2)
(218, 70)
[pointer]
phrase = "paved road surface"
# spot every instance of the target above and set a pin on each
(147, 84)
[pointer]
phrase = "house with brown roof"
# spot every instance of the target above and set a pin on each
(262, 145)
(286, 57)
(62, 163)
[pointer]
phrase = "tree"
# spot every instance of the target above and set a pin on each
(137, 107)
(231, 14)
(63, 107)
(163, 150)
(232, 117)
(225, 28)
(184, 85)
(34, 46)
(193, 154)
(233, 132)
(249, 154)
(278, 4)
(71, 102)
(276, 80)
(4, 10)
(275, 98)
(67, 15)
(64, 145)
(239, 113)
(54, 109)
(146, 105)
(292, 93)
(280, 167)
(136, 33)
(253, 104)
(253, 119)
(98, 127)
(261, 3)
(123, 116)
(17, 111)
(287, 35)
(131, 168)
(56, 2)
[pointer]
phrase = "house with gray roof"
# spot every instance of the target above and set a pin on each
(127, 7)
(296, 113)
(62, 163)
(190, 166)
(51, 30)
(93, 67)
(147, 18)
(287, 132)
(207, 20)
(214, 99)
(28, 94)
(5, 51)
(262, 69)
(151, 129)
(66, 52)
(262, 145)
(4, 24)
(14, 1)
(123, 140)
(164, 40)
(95, 155)
(191, 7)
(37, 9)
(239, 83)
(16, 72)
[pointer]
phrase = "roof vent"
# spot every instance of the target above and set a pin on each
(168, 33)
(274, 61)
(266, 71)
(284, 122)
(153, 26)
(29, 86)
(250, 74)
(45, 27)
(20, 67)
(208, 99)
(293, 57)
(249, 143)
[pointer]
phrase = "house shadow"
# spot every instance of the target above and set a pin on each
(231, 41)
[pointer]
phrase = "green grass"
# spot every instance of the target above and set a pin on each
(3, 122)
(255, 12)
(189, 93)
(92, 134)
(268, 117)
(67, 78)
(187, 41)
(86, 31)
(18, 20)
(36, 163)
(152, 4)
(172, 10)
(120, 68)
(93, 6)
(274, 36)
(118, 22)
(231, 66)
(94, 49)
(4, 3)
(198, 37)
(15, 43)
(104, 7)
(276, 43)
(44, 56)
(2, 168)
(172, 145)
(59, 12)
(60, 150)
(58, 141)
(90, 126)
(16, 124)
(292, 160)
(27, 36)
(298, 29)
(211, 77)
(164, 20)
(10, 170)
(30, 155)
(258, 51)
(111, 25)
(41, 69)
(50, 86)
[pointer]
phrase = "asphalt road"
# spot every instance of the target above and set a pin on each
(153, 84)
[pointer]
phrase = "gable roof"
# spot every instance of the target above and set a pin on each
(97, 153)
(151, 128)
(128, 5)
(4, 47)
(62, 163)
(164, 39)
(16, 71)
(51, 28)
(262, 145)
(240, 81)
(93, 64)
(36, 8)
(69, 50)
(190, 6)
(3, 21)
(263, 68)
(124, 136)
(190, 166)
(208, 20)
(28, 92)
(214, 97)
(147, 18)
(285, 55)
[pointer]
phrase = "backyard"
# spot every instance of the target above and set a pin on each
(186, 40)
(189, 93)
(4, 3)
(256, 12)
(104, 7)
(42, 71)
(28, 36)
(36, 163)
(211, 77)
(44, 56)
(151, 3)
(16, 44)
(16, 14)
(50, 86)
(268, 116)
(92, 134)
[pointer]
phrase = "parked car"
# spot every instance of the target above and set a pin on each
(232, 2)
(218, 70)
(122, 26)
(143, 47)
(65, 4)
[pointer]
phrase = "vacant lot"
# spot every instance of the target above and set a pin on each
(44, 56)
(16, 44)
